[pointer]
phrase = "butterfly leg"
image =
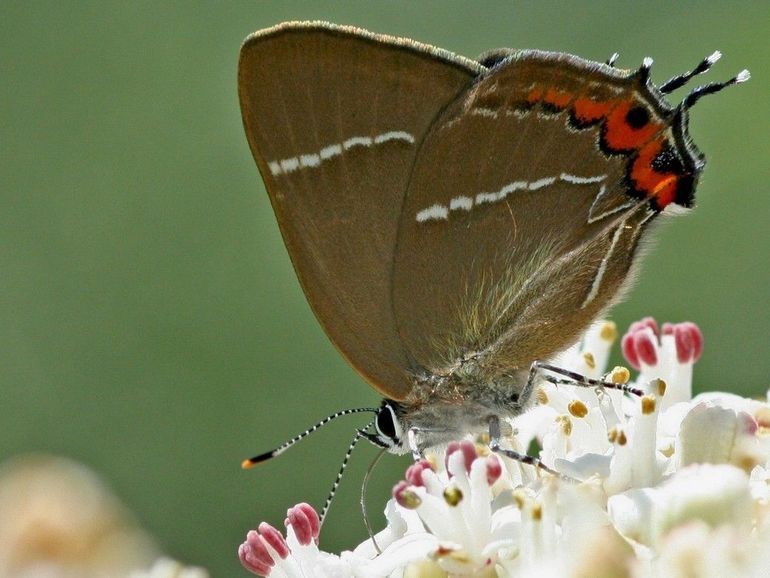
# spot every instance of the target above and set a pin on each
(573, 378)
(494, 446)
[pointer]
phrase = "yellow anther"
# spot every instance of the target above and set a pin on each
(566, 424)
(453, 496)
(648, 404)
(577, 408)
(619, 375)
(608, 331)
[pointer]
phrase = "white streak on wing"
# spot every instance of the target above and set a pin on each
(467, 203)
(433, 213)
(511, 188)
(577, 180)
(309, 160)
(290, 165)
(312, 160)
(488, 112)
(517, 113)
(618, 209)
(593, 217)
(461, 202)
(540, 183)
(356, 141)
(502, 193)
(603, 267)
(482, 198)
(394, 135)
(330, 151)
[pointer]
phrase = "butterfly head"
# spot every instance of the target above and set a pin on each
(389, 432)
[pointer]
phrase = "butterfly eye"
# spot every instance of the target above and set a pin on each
(387, 424)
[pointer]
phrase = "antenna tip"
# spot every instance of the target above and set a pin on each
(713, 57)
(251, 462)
(742, 76)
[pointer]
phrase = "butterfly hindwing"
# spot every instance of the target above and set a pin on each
(519, 227)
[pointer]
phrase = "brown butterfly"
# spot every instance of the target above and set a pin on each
(455, 223)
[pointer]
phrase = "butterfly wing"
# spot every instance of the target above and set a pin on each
(334, 117)
(526, 207)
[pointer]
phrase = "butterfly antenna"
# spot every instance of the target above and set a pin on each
(697, 93)
(251, 462)
(364, 487)
(680, 80)
(356, 438)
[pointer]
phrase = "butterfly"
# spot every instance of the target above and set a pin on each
(455, 223)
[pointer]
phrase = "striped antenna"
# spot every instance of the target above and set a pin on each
(251, 462)
(697, 93)
(681, 79)
(356, 438)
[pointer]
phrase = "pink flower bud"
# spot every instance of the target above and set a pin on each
(648, 322)
(640, 344)
(250, 562)
(254, 555)
(405, 496)
(494, 469)
(629, 350)
(467, 448)
(689, 342)
(414, 472)
(305, 522)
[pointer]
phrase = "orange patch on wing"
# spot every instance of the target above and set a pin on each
(556, 98)
(661, 186)
(588, 111)
(665, 192)
(619, 135)
(535, 95)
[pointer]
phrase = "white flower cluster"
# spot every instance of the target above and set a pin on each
(665, 485)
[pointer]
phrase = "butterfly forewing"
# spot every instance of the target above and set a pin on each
(518, 228)
(334, 117)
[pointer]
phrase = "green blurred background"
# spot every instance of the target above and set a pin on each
(150, 323)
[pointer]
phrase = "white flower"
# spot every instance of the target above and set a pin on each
(661, 480)
(713, 494)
